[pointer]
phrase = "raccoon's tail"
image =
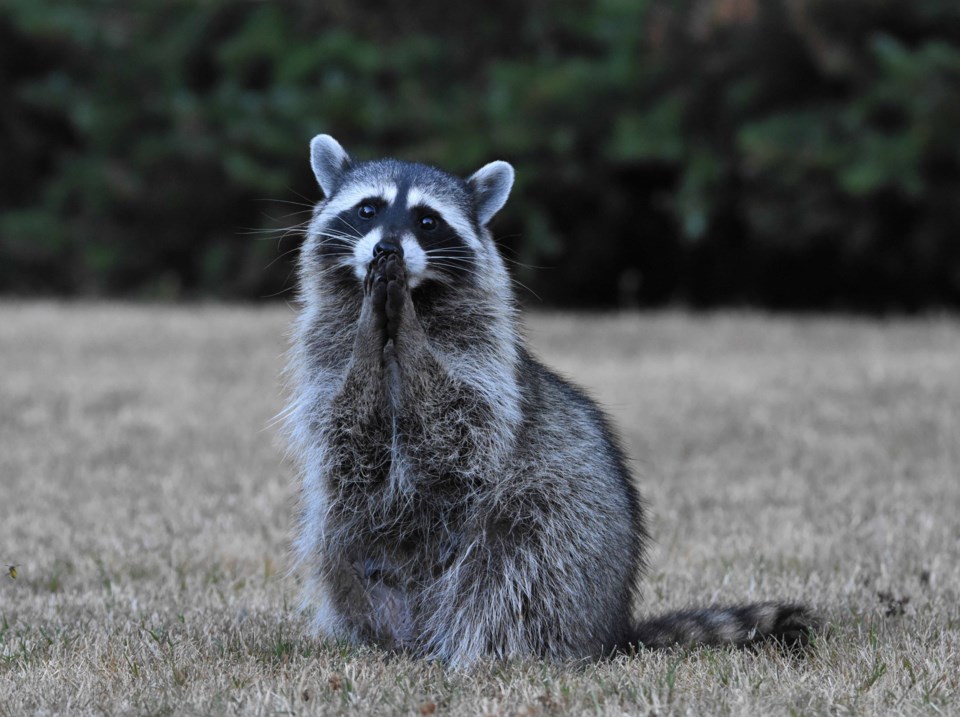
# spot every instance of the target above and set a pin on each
(790, 625)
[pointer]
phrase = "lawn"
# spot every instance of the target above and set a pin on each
(147, 505)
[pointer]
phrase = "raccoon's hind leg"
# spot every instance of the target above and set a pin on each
(788, 624)
(371, 602)
(529, 581)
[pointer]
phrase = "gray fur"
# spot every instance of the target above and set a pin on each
(459, 500)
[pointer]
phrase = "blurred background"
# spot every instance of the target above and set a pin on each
(788, 154)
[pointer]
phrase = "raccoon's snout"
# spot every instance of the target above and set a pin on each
(387, 245)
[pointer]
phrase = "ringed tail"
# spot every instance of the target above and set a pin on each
(788, 624)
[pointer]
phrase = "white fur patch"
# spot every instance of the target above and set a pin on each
(414, 258)
(363, 252)
(352, 196)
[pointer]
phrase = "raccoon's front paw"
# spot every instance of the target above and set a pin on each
(392, 276)
(374, 312)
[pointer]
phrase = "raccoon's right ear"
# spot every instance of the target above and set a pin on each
(491, 186)
(329, 161)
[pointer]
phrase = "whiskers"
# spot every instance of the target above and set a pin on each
(336, 243)
(455, 260)
(285, 230)
(279, 233)
(460, 260)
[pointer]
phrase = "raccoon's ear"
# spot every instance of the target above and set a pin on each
(329, 160)
(491, 186)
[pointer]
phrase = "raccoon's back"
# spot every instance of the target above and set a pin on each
(572, 468)
(564, 426)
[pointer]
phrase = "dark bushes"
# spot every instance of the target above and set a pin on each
(795, 153)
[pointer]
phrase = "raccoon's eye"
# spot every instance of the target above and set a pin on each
(367, 211)
(428, 222)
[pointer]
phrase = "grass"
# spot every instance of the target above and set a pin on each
(147, 506)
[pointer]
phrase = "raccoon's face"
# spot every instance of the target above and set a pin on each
(436, 221)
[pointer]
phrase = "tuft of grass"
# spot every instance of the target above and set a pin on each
(148, 511)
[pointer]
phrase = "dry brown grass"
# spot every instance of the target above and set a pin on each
(147, 505)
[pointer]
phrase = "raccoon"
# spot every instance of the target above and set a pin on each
(459, 501)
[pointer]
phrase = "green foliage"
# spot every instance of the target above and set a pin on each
(789, 153)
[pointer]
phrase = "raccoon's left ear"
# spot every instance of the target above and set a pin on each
(491, 186)
(329, 160)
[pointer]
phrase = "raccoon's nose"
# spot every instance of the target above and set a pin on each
(387, 245)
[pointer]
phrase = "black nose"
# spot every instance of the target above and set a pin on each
(387, 245)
